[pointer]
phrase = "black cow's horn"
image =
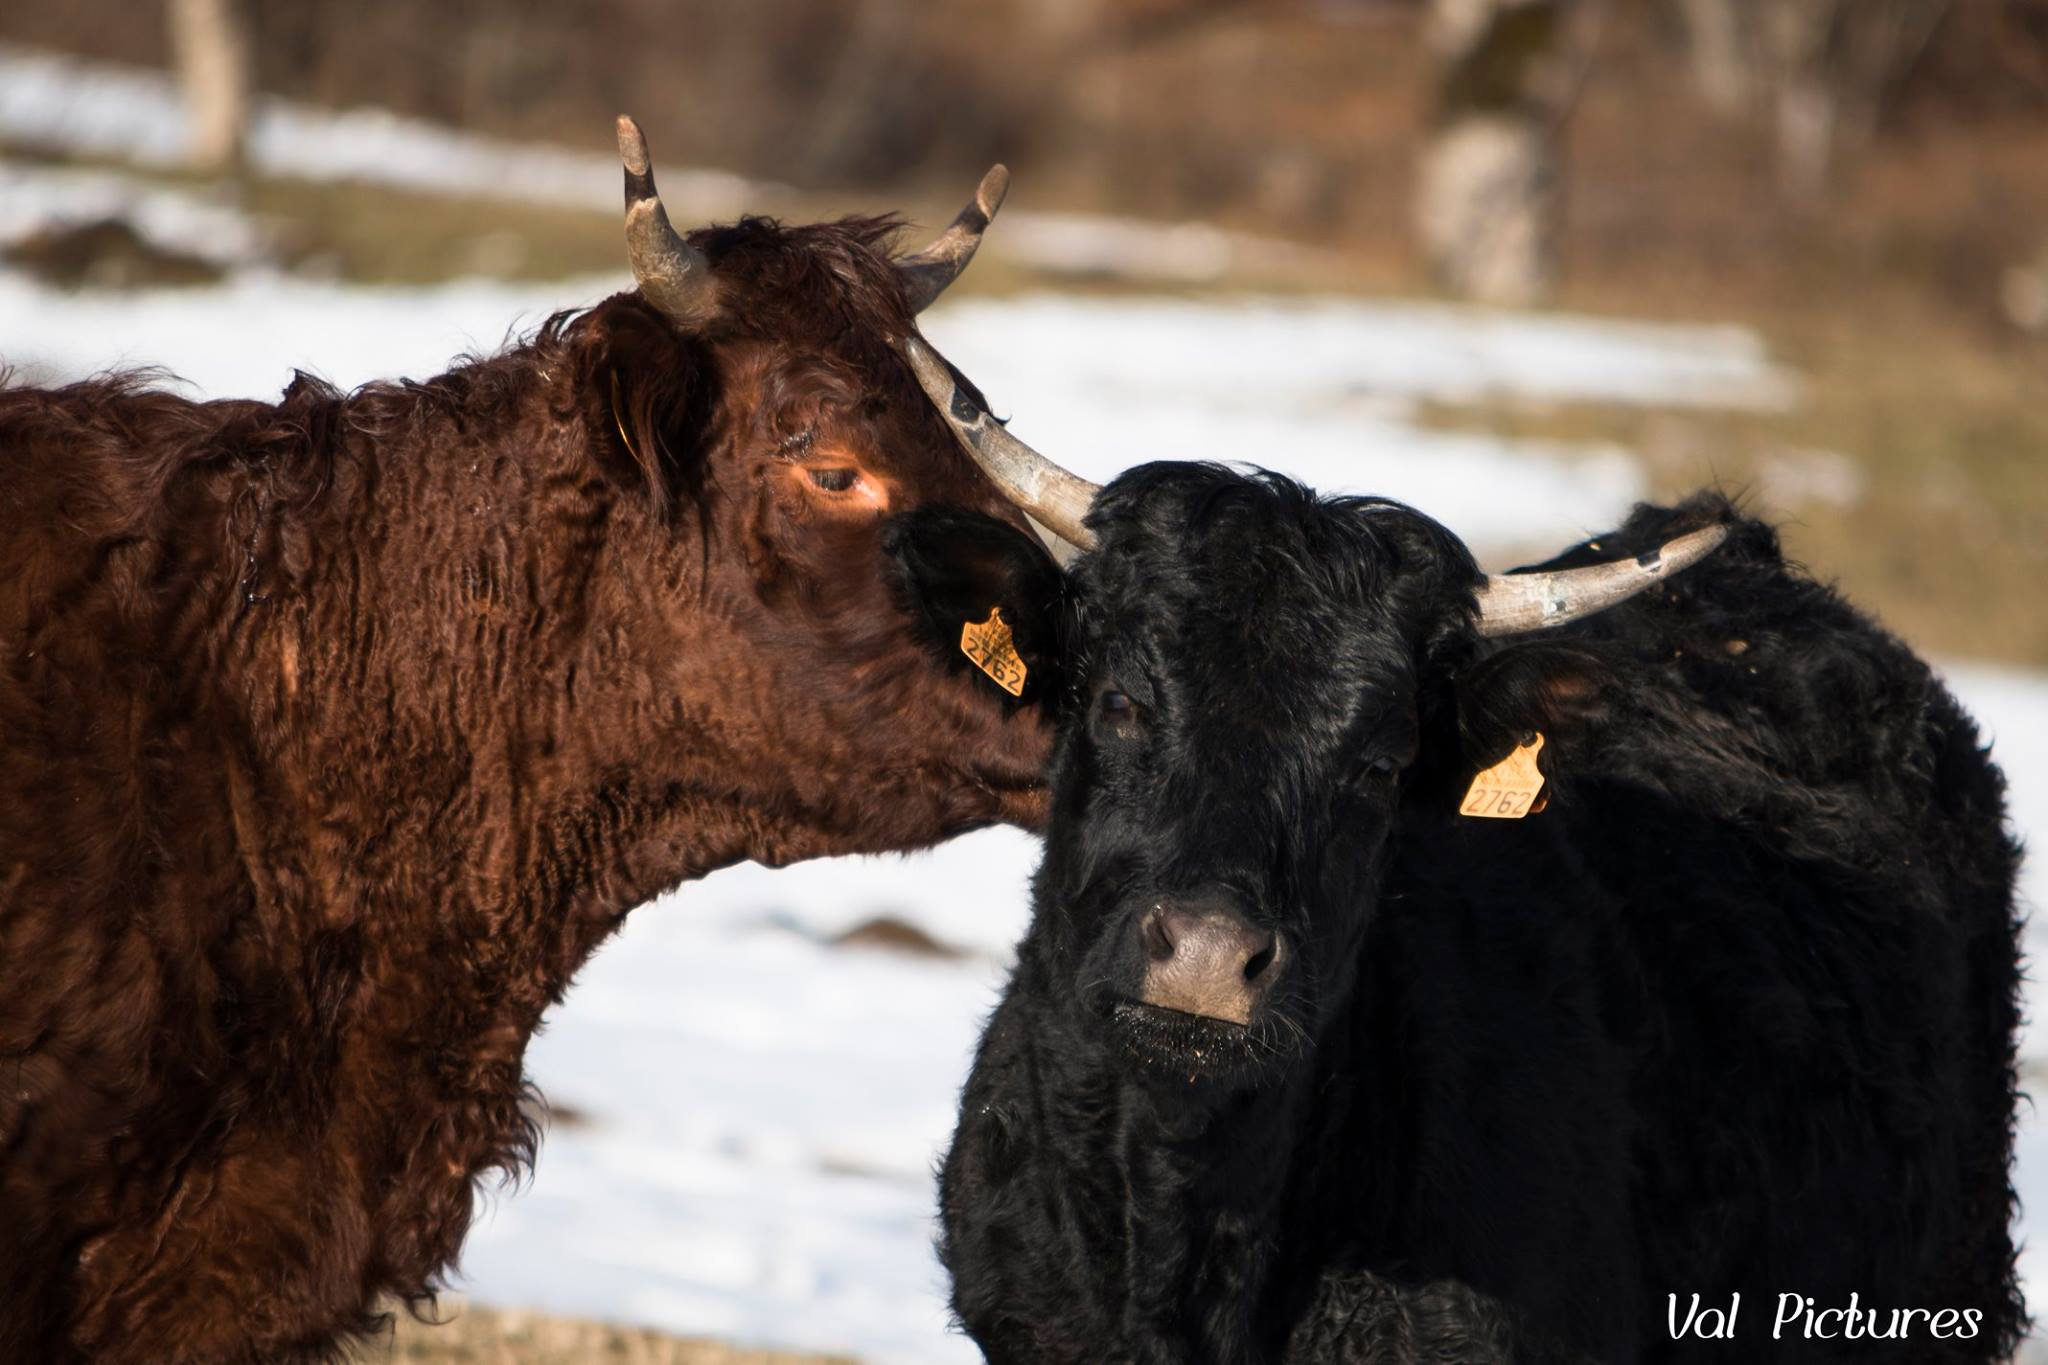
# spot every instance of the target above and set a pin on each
(1058, 499)
(1511, 604)
(674, 276)
(926, 273)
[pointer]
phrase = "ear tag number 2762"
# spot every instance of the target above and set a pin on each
(989, 644)
(1510, 789)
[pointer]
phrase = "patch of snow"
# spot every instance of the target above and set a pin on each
(2011, 706)
(33, 198)
(1088, 245)
(766, 1111)
(244, 337)
(1255, 352)
(1787, 480)
(134, 114)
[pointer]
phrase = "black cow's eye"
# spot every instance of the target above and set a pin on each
(1382, 767)
(1117, 715)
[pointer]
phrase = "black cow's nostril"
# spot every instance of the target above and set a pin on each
(1255, 966)
(1157, 937)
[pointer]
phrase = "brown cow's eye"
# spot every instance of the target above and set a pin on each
(837, 486)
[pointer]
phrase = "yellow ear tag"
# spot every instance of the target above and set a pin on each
(988, 643)
(1510, 789)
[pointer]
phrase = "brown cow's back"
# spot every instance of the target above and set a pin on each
(201, 1081)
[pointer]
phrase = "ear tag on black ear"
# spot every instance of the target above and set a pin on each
(1510, 789)
(994, 652)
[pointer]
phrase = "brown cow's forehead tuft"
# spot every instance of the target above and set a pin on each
(810, 280)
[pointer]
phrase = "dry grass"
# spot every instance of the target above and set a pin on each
(486, 1336)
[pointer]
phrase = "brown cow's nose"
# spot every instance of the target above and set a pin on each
(1206, 959)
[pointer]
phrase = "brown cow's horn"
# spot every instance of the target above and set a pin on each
(926, 273)
(1058, 499)
(1511, 604)
(674, 276)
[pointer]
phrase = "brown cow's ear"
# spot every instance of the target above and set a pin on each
(956, 573)
(644, 404)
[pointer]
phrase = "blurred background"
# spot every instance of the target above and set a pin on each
(1520, 262)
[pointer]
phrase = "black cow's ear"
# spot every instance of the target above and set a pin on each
(974, 585)
(1554, 688)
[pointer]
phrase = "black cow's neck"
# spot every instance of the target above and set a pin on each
(1203, 1191)
(1168, 1203)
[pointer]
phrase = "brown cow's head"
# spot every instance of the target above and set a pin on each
(819, 538)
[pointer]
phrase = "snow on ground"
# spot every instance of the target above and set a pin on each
(1097, 246)
(38, 197)
(2011, 707)
(244, 337)
(766, 1109)
(757, 1113)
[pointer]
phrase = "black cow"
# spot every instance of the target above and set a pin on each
(1299, 1063)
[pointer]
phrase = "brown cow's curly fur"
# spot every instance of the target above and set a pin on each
(335, 733)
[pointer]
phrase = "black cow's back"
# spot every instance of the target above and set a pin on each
(1752, 976)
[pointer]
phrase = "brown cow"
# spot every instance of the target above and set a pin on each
(335, 733)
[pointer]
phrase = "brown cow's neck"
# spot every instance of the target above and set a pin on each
(485, 756)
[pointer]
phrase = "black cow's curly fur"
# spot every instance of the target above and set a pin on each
(1733, 1014)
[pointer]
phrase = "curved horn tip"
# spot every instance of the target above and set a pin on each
(993, 189)
(1693, 546)
(1513, 604)
(672, 275)
(928, 271)
(633, 145)
(1056, 498)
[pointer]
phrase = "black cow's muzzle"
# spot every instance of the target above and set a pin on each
(1203, 956)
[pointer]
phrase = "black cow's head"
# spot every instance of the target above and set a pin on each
(1257, 686)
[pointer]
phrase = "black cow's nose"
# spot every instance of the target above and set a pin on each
(1206, 958)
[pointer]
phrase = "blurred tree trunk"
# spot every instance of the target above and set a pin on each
(1489, 200)
(1805, 104)
(211, 46)
(1819, 71)
(1721, 53)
